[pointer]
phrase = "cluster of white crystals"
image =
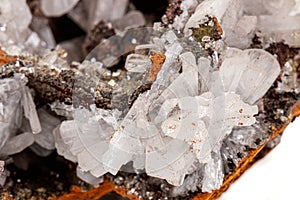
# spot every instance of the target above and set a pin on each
(174, 128)
(16, 99)
(176, 125)
(15, 34)
(21, 125)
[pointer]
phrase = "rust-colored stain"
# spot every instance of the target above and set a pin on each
(157, 59)
(6, 196)
(5, 58)
(94, 194)
(217, 26)
(295, 111)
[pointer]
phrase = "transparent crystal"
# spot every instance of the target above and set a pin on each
(57, 8)
(30, 111)
(48, 123)
(15, 18)
(131, 19)
(11, 113)
(17, 144)
(249, 73)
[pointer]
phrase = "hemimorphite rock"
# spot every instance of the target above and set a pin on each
(61, 147)
(167, 129)
(175, 127)
(132, 19)
(105, 10)
(87, 177)
(279, 7)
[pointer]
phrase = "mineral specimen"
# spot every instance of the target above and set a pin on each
(178, 105)
(180, 126)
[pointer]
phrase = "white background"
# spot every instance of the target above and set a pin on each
(276, 176)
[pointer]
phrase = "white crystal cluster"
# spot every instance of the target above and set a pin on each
(182, 120)
(21, 125)
(174, 128)
(179, 122)
(16, 99)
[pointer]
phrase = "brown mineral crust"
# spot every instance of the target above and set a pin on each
(282, 51)
(5, 196)
(274, 101)
(95, 194)
(213, 31)
(256, 42)
(5, 58)
(65, 86)
(139, 90)
(70, 88)
(173, 10)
